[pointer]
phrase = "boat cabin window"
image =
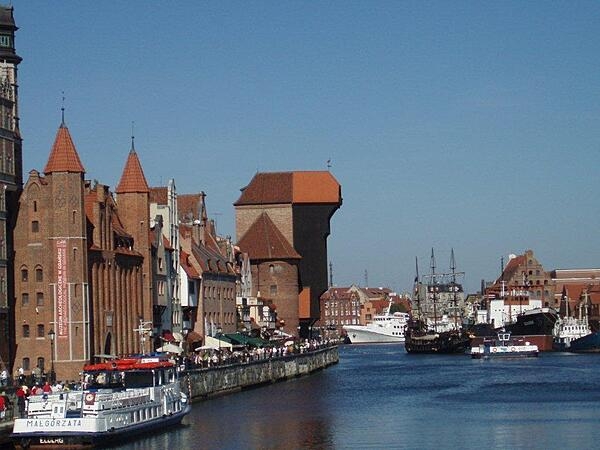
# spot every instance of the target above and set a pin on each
(100, 380)
(135, 379)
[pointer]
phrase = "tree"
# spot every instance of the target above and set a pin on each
(397, 307)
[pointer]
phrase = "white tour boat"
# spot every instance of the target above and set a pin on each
(504, 347)
(385, 328)
(120, 398)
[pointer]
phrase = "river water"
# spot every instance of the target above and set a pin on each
(380, 397)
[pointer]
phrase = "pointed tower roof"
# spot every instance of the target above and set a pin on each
(133, 179)
(263, 240)
(63, 156)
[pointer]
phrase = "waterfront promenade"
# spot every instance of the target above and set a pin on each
(202, 383)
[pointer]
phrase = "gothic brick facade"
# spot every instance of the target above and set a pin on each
(81, 275)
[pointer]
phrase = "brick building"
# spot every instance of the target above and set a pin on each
(524, 273)
(282, 223)
(81, 289)
(11, 177)
(355, 305)
(211, 257)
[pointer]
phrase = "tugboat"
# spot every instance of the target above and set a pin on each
(569, 329)
(421, 338)
(120, 398)
(504, 347)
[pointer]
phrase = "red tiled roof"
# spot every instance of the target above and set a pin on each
(63, 156)
(159, 195)
(291, 187)
(118, 227)
(263, 240)
(189, 206)
(187, 267)
(133, 179)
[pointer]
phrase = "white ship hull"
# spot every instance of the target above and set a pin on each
(363, 334)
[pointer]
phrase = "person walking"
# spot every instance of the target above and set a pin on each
(21, 394)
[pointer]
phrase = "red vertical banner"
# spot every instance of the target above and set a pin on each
(62, 289)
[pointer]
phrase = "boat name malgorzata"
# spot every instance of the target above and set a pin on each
(119, 398)
(54, 423)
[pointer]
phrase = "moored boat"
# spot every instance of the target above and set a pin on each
(429, 335)
(420, 340)
(385, 328)
(586, 344)
(120, 398)
(504, 347)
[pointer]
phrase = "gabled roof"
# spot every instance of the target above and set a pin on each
(190, 207)
(263, 240)
(159, 195)
(133, 179)
(209, 260)
(291, 188)
(63, 156)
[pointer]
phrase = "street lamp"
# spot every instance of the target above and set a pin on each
(219, 331)
(52, 335)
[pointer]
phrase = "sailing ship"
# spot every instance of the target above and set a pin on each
(433, 335)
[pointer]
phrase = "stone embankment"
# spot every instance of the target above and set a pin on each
(220, 380)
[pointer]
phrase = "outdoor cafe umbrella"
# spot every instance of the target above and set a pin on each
(170, 348)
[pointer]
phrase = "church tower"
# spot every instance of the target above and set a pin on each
(11, 177)
(52, 305)
(133, 204)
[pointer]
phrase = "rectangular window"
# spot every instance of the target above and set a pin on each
(39, 299)
(25, 331)
(39, 275)
(273, 289)
(40, 330)
(25, 299)
(35, 226)
(26, 365)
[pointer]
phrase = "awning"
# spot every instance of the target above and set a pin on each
(170, 348)
(216, 343)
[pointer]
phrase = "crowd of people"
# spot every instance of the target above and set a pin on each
(40, 383)
(211, 357)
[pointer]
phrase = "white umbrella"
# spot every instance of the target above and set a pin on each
(170, 348)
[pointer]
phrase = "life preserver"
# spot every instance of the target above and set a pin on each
(494, 350)
(90, 398)
(512, 349)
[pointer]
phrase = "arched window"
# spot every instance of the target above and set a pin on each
(24, 274)
(39, 274)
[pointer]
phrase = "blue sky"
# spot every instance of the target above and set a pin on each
(465, 125)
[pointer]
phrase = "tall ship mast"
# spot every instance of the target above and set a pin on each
(426, 333)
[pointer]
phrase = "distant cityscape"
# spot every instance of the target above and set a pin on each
(88, 271)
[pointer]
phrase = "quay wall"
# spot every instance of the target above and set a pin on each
(221, 380)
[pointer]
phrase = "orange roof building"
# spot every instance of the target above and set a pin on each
(282, 223)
